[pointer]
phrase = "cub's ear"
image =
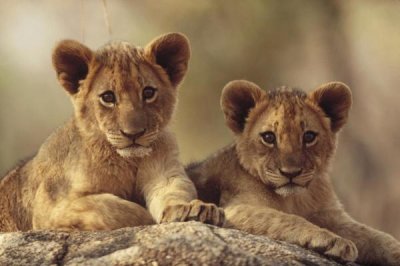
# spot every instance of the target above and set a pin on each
(172, 52)
(237, 99)
(334, 98)
(71, 61)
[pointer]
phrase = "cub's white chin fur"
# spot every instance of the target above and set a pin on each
(131, 152)
(289, 189)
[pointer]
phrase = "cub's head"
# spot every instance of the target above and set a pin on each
(284, 136)
(123, 94)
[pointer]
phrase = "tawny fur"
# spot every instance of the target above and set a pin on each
(250, 180)
(114, 164)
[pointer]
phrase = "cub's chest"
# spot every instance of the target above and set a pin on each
(302, 205)
(115, 177)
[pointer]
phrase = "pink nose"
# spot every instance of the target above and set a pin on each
(290, 172)
(134, 135)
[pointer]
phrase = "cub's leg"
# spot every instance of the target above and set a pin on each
(169, 193)
(94, 212)
(294, 229)
(374, 247)
(174, 200)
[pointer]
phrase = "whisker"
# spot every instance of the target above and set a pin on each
(146, 139)
(150, 134)
(273, 174)
(112, 138)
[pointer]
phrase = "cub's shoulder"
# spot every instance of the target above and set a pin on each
(165, 141)
(61, 142)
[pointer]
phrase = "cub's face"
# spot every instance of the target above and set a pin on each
(123, 93)
(284, 136)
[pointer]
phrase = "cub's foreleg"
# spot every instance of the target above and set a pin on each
(294, 229)
(174, 199)
(169, 193)
(93, 212)
(374, 247)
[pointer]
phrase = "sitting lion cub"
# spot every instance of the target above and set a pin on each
(114, 164)
(273, 180)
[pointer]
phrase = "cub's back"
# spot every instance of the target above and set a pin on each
(210, 175)
(18, 186)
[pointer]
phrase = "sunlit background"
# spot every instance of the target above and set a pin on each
(273, 43)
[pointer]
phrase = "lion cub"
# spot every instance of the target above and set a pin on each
(114, 164)
(273, 180)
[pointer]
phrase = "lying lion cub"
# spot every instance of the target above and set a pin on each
(114, 164)
(273, 180)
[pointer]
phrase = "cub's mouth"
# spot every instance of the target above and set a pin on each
(129, 148)
(290, 189)
(133, 145)
(134, 150)
(138, 148)
(285, 186)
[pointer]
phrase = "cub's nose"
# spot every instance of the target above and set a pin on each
(290, 172)
(134, 135)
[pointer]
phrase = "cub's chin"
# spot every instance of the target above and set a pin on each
(290, 189)
(135, 151)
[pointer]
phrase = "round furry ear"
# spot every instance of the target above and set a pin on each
(71, 61)
(172, 52)
(334, 98)
(237, 99)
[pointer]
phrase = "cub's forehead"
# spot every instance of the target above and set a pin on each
(124, 66)
(286, 101)
(119, 54)
(286, 96)
(286, 108)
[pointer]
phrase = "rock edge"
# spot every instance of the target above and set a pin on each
(190, 243)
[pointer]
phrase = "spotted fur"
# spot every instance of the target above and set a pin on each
(115, 163)
(282, 189)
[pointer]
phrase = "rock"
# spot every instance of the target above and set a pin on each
(190, 243)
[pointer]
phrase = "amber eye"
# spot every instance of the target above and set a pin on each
(108, 97)
(268, 137)
(309, 137)
(148, 93)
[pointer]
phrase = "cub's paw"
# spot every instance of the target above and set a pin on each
(207, 213)
(343, 249)
(196, 210)
(334, 246)
(80, 224)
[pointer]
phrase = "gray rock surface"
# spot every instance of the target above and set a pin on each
(189, 243)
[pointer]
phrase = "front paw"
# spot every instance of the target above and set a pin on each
(333, 246)
(196, 210)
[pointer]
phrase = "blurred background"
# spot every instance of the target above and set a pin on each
(296, 43)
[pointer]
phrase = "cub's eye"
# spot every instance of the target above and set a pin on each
(309, 137)
(108, 97)
(268, 137)
(148, 93)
